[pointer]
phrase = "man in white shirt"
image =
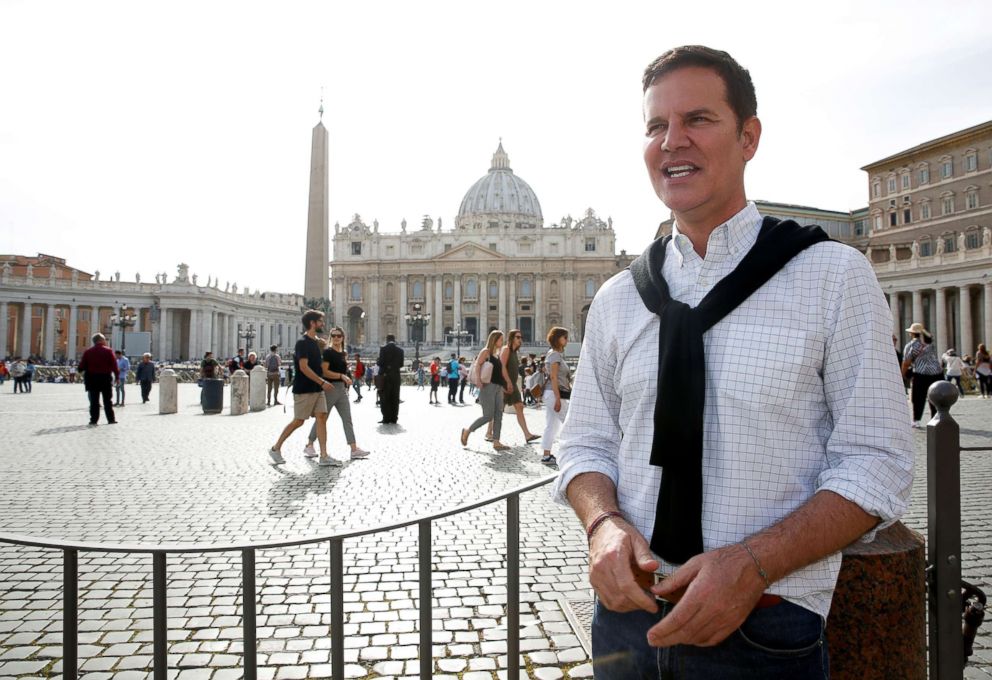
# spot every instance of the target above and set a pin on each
(805, 446)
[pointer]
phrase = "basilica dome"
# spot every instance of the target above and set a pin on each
(500, 196)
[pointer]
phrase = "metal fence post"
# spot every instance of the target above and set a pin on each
(70, 614)
(160, 625)
(248, 598)
(426, 612)
(337, 609)
(513, 587)
(944, 535)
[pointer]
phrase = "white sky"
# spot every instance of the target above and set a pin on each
(133, 136)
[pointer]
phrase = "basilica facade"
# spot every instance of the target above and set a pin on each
(498, 266)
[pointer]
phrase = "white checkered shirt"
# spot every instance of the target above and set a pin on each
(802, 395)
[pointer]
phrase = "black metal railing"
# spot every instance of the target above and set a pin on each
(949, 645)
(160, 553)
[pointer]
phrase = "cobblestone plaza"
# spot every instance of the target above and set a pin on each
(192, 478)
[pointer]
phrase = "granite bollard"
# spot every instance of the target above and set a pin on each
(168, 392)
(239, 393)
(877, 625)
(256, 388)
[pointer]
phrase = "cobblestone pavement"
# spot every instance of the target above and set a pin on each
(194, 478)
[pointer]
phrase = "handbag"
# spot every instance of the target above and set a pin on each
(379, 380)
(486, 373)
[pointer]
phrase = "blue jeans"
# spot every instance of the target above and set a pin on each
(784, 642)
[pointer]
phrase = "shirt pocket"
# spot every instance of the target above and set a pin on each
(766, 367)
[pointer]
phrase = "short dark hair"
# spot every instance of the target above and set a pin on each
(390, 338)
(310, 316)
(736, 79)
(273, 348)
(555, 335)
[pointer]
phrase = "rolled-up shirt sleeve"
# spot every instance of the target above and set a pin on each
(870, 451)
(591, 435)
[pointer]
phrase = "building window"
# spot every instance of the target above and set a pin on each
(946, 168)
(878, 223)
(447, 247)
(950, 243)
(926, 248)
(590, 288)
(390, 250)
(905, 181)
(389, 290)
(925, 174)
(590, 245)
(418, 290)
(971, 162)
(925, 210)
(493, 289)
(492, 246)
(526, 289)
(947, 205)
(859, 228)
(892, 185)
(471, 289)
(892, 218)
(971, 200)
(876, 189)
(356, 247)
(972, 240)
(356, 291)
(554, 290)
(907, 216)
(449, 291)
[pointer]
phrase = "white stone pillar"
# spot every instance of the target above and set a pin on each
(195, 322)
(256, 388)
(940, 332)
(232, 335)
(917, 307)
(48, 350)
(501, 311)
(457, 303)
(373, 316)
(168, 392)
(161, 352)
(483, 308)
(568, 314)
(894, 313)
(540, 323)
(404, 309)
(25, 347)
(987, 338)
(239, 393)
(438, 317)
(511, 312)
(964, 317)
(3, 328)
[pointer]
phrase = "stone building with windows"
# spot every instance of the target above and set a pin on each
(498, 266)
(931, 236)
(49, 309)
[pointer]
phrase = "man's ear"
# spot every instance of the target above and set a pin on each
(750, 136)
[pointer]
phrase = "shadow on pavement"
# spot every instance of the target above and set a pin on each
(61, 430)
(290, 489)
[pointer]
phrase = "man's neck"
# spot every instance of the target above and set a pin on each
(698, 230)
(311, 333)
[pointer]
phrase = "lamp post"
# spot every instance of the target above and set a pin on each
(123, 320)
(417, 322)
(248, 334)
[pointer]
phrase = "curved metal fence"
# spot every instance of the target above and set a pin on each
(335, 541)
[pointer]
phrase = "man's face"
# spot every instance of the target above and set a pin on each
(694, 155)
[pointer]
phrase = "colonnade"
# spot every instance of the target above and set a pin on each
(958, 316)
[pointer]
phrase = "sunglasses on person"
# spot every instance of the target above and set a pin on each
(336, 335)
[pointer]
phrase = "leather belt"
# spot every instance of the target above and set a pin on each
(645, 580)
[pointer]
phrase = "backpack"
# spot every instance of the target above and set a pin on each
(272, 363)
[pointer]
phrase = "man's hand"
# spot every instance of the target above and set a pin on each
(616, 550)
(327, 386)
(347, 381)
(720, 588)
(557, 404)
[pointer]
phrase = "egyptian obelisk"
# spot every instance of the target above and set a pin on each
(316, 284)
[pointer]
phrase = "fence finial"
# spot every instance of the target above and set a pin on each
(943, 394)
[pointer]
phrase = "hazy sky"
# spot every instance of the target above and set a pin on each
(134, 136)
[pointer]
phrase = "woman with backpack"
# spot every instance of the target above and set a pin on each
(487, 372)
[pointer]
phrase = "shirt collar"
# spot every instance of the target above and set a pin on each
(730, 239)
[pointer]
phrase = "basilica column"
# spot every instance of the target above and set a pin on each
(501, 311)
(540, 324)
(374, 313)
(987, 337)
(964, 316)
(917, 307)
(457, 307)
(48, 350)
(483, 307)
(25, 348)
(438, 309)
(568, 306)
(3, 328)
(940, 332)
(511, 312)
(404, 330)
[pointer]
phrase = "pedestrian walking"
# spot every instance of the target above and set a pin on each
(435, 369)
(28, 380)
(921, 362)
(123, 367)
(728, 469)
(419, 375)
(488, 374)
(557, 390)
(99, 367)
(953, 368)
(4, 372)
(145, 375)
(454, 376)
(72, 371)
(359, 375)
(17, 370)
(308, 389)
(463, 377)
(509, 358)
(272, 363)
(983, 371)
(390, 362)
(334, 368)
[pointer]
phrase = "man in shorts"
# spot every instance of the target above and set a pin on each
(308, 389)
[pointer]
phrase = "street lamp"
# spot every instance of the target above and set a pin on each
(248, 334)
(417, 322)
(123, 320)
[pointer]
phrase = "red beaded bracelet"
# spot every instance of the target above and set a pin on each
(599, 520)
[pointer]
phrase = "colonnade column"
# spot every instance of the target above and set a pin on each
(25, 348)
(894, 312)
(48, 350)
(987, 337)
(483, 308)
(195, 321)
(940, 332)
(70, 338)
(964, 302)
(438, 309)
(3, 328)
(162, 351)
(457, 306)
(403, 329)
(501, 311)
(917, 307)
